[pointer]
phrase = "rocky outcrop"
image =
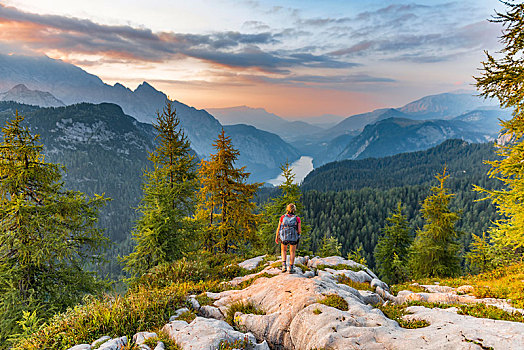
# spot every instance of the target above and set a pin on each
(295, 316)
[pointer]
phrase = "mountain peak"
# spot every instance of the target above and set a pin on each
(145, 86)
(19, 88)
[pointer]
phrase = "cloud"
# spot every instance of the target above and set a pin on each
(81, 36)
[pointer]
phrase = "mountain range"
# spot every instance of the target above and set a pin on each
(415, 126)
(263, 120)
(71, 84)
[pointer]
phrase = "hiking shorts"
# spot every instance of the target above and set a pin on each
(290, 242)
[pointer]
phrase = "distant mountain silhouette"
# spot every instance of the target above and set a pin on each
(20, 93)
(263, 120)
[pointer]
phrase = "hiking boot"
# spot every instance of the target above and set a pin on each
(284, 268)
(291, 269)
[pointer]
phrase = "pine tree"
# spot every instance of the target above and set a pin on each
(435, 251)
(290, 193)
(164, 228)
(501, 78)
(392, 249)
(480, 258)
(47, 233)
(330, 247)
(225, 205)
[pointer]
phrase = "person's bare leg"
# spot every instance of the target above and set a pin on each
(283, 253)
(292, 249)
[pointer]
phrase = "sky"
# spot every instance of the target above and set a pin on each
(296, 58)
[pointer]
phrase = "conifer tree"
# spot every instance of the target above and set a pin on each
(225, 206)
(480, 258)
(290, 193)
(501, 78)
(330, 247)
(165, 226)
(392, 249)
(435, 251)
(47, 233)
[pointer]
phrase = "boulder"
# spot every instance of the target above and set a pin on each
(370, 298)
(378, 283)
(205, 333)
(193, 302)
(114, 344)
(436, 288)
(251, 264)
(211, 312)
(99, 341)
(140, 337)
(160, 346)
(81, 347)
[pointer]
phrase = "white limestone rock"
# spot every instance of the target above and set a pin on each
(378, 283)
(209, 311)
(160, 346)
(100, 341)
(194, 302)
(81, 347)
(206, 333)
(370, 298)
(140, 337)
(114, 344)
(251, 264)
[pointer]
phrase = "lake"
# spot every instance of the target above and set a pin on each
(301, 168)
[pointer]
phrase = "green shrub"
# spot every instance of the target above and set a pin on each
(142, 309)
(187, 316)
(303, 267)
(239, 344)
(204, 300)
(164, 338)
(488, 311)
(336, 301)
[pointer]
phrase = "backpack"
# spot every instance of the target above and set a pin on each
(289, 229)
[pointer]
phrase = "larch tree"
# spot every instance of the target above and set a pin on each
(503, 78)
(392, 249)
(225, 207)
(435, 251)
(47, 233)
(276, 207)
(165, 226)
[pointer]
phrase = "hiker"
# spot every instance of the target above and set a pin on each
(288, 232)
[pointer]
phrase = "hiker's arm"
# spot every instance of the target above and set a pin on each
(278, 230)
(299, 228)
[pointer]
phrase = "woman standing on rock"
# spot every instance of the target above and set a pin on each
(288, 231)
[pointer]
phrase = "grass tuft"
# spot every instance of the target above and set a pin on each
(336, 301)
(357, 285)
(250, 281)
(396, 312)
(238, 344)
(339, 267)
(164, 338)
(243, 307)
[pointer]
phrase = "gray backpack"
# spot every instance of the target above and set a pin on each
(289, 229)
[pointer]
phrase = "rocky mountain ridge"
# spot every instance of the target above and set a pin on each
(21, 94)
(295, 315)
